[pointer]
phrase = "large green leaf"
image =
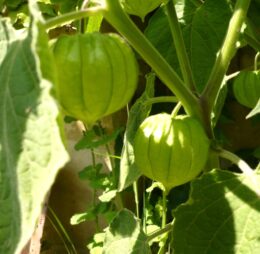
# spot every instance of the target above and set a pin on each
(31, 149)
(125, 235)
(204, 27)
(7, 36)
(222, 216)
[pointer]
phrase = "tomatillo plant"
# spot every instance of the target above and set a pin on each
(162, 99)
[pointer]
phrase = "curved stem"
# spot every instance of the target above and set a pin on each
(248, 172)
(256, 61)
(161, 99)
(180, 46)
(66, 18)
(225, 55)
(176, 110)
(115, 15)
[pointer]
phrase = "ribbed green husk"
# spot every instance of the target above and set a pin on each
(169, 150)
(246, 88)
(97, 75)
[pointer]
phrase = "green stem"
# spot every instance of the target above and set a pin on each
(69, 17)
(95, 191)
(159, 232)
(118, 198)
(59, 228)
(248, 172)
(180, 46)
(115, 15)
(161, 99)
(197, 3)
(176, 110)
(256, 61)
(164, 213)
(135, 186)
(224, 57)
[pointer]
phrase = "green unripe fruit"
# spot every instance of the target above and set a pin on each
(97, 75)
(169, 150)
(140, 7)
(246, 88)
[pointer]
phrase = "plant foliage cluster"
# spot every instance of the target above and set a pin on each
(63, 61)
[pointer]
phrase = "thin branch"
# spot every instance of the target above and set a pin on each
(159, 232)
(71, 16)
(248, 172)
(225, 55)
(180, 46)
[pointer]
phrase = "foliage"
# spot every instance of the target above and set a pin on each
(190, 55)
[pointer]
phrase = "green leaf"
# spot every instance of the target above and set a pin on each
(7, 36)
(107, 196)
(48, 10)
(255, 110)
(204, 27)
(221, 216)
(256, 153)
(125, 235)
(96, 246)
(90, 141)
(13, 3)
(94, 23)
(90, 214)
(31, 148)
(129, 172)
(90, 172)
(66, 5)
(253, 19)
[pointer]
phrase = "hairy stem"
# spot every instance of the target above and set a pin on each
(180, 46)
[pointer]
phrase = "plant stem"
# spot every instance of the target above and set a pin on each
(180, 46)
(224, 56)
(95, 191)
(135, 186)
(176, 110)
(159, 232)
(256, 61)
(59, 228)
(242, 165)
(115, 15)
(69, 17)
(164, 215)
(197, 3)
(161, 99)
